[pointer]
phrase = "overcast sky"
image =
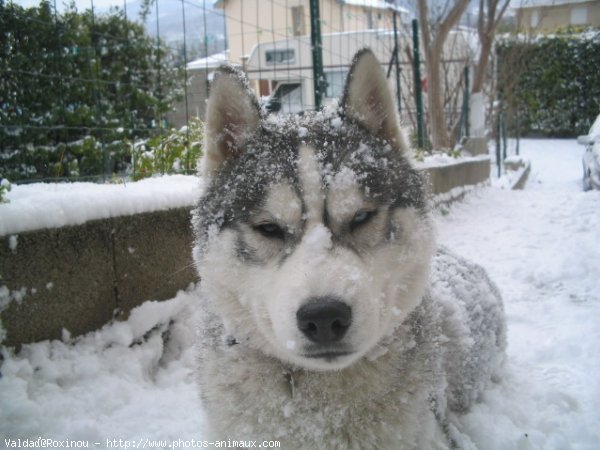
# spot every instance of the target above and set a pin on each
(81, 4)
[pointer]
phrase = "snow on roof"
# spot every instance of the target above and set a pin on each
(376, 4)
(210, 62)
(524, 4)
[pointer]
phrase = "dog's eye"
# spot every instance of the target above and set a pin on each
(270, 230)
(360, 218)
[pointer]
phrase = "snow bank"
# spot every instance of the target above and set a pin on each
(51, 205)
(130, 380)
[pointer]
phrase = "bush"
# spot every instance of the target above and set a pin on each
(552, 83)
(4, 188)
(74, 87)
(178, 152)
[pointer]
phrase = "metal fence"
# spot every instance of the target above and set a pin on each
(90, 93)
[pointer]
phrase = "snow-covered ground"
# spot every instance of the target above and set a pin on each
(540, 245)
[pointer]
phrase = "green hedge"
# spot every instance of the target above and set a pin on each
(551, 82)
(175, 151)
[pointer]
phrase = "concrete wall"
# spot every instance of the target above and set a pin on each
(81, 277)
(463, 173)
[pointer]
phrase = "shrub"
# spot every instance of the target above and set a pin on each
(4, 188)
(551, 82)
(177, 152)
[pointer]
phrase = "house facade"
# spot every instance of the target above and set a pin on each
(549, 15)
(252, 22)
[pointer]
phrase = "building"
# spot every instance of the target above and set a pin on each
(252, 22)
(199, 73)
(548, 15)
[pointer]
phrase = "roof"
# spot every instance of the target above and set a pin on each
(524, 4)
(210, 62)
(375, 4)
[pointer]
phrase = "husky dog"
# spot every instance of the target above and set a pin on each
(332, 320)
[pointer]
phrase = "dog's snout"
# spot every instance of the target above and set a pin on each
(324, 320)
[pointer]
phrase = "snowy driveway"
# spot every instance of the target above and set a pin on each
(540, 245)
(542, 248)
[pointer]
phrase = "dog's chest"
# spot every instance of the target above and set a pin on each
(375, 404)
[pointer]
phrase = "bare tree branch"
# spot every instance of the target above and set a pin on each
(434, 36)
(488, 20)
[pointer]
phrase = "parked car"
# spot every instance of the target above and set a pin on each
(591, 157)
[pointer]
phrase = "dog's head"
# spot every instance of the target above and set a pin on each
(312, 238)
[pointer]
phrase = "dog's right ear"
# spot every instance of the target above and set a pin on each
(231, 114)
(368, 100)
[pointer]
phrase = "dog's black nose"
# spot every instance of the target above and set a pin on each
(324, 320)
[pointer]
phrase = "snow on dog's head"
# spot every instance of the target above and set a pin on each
(312, 238)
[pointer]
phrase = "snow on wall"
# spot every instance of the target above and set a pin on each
(51, 205)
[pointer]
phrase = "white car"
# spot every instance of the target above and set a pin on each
(591, 157)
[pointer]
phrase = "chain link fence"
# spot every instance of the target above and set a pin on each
(96, 93)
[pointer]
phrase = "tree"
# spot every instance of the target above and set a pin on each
(434, 31)
(489, 17)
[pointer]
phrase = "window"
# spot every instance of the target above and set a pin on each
(535, 18)
(369, 15)
(280, 56)
(298, 21)
(579, 16)
(286, 99)
(335, 83)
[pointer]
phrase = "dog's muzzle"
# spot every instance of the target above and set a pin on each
(324, 321)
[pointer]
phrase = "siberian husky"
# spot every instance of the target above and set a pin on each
(332, 319)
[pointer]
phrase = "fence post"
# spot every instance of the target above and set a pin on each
(397, 63)
(317, 52)
(498, 155)
(467, 102)
(504, 137)
(418, 87)
(518, 133)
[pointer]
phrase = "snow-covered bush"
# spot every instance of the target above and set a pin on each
(4, 188)
(552, 83)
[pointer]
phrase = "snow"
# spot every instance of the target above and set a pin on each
(210, 62)
(134, 380)
(439, 159)
(523, 4)
(75, 203)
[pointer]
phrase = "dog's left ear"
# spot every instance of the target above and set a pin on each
(232, 114)
(368, 99)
